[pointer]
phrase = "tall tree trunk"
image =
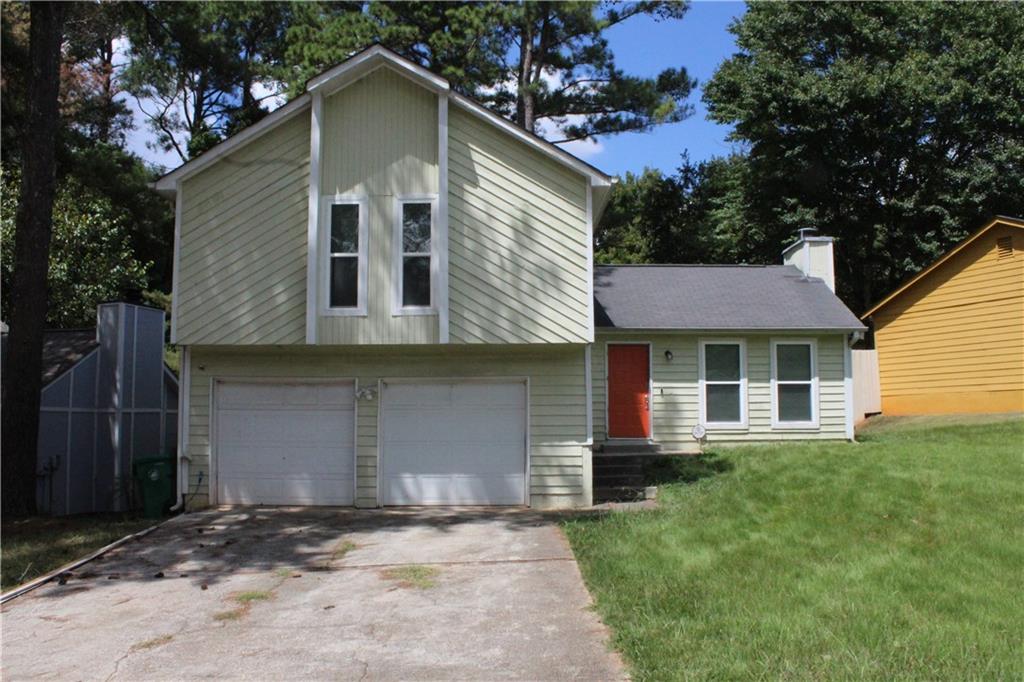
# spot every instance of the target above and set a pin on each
(525, 96)
(33, 228)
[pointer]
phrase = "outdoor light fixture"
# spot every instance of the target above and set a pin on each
(668, 355)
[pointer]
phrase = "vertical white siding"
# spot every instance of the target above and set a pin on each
(518, 244)
(675, 402)
(379, 141)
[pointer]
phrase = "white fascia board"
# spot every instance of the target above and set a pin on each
(368, 61)
(597, 178)
(167, 184)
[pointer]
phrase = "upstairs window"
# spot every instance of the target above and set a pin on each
(415, 261)
(723, 383)
(345, 269)
(794, 384)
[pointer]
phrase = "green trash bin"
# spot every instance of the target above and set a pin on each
(156, 481)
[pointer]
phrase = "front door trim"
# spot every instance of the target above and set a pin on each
(650, 391)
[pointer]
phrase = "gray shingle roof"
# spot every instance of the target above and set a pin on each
(714, 297)
(63, 348)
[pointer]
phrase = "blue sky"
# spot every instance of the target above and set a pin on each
(642, 47)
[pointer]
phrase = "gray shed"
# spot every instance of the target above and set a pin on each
(108, 399)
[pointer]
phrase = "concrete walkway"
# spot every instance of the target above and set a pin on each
(316, 594)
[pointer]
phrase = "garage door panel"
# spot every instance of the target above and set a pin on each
(454, 443)
(456, 489)
(247, 395)
(296, 490)
(474, 395)
(461, 458)
(322, 427)
(288, 443)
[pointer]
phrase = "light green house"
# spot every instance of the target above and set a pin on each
(385, 295)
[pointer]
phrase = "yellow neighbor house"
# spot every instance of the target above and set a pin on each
(951, 339)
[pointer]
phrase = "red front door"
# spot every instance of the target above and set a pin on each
(629, 386)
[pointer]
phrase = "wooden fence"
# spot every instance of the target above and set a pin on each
(867, 391)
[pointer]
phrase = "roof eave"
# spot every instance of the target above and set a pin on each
(167, 184)
(997, 220)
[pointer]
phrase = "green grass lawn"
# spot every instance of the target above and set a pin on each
(900, 557)
(34, 546)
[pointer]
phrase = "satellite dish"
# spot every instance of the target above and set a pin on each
(699, 432)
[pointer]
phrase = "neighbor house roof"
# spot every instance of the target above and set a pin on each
(1007, 221)
(716, 297)
(63, 349)
(347, 72)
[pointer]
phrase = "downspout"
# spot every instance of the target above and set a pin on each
(184, 386)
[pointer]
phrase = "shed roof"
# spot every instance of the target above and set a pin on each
(63, 348)
(716, 297)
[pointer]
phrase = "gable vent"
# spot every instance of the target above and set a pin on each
(1004, 247)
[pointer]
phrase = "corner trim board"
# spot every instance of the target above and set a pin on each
(443, 332)
(313, 217)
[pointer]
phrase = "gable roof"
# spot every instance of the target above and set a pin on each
(716, 298)
(1006, 221)
(348, 72)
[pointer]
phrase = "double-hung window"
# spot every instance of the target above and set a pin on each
(794, 383)
(344, 245)
(415, 262)
(723, 383)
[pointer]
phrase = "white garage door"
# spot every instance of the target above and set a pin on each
(454, 443)
(285, 443)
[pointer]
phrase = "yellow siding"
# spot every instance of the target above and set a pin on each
(517, 241)
(559, 458)
(675, 401)
(379, 141)
(954, 341)
(242, 261)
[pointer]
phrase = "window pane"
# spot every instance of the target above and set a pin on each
(794, 402)
(723, 402)
(344, 281)
(416, 281)
(722, 362)
(344, 228)
(793, 362)
(415, 228)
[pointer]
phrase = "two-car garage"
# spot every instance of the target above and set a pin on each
(438, 442)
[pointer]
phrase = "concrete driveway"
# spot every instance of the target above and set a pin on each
(314, 594)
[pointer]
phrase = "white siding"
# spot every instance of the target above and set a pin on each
(675, 401)
(559, 458)
(518, 241)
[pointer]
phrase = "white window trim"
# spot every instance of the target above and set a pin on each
(702, 383)
(397, 255)
(325, 255)
(775, 382)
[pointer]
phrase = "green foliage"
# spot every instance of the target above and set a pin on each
(200, 63)
(532, 61)
(91, 257)
(895, 558)
(696, 215)
(896, 127)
